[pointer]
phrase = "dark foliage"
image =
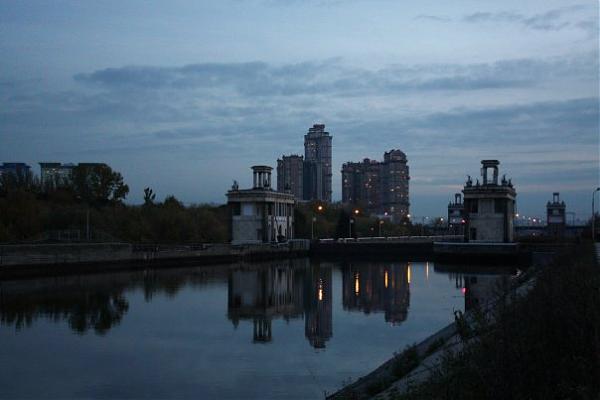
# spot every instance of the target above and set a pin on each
(543, 346)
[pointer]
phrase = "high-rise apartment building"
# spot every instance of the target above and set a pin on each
(317, 164)
(381, 187)
(394, 184)
(290, 175)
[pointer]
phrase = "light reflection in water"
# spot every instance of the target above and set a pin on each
(385, 279)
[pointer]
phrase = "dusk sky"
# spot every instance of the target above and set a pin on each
(184, 96)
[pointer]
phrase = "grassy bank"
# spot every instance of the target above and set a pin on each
(543, 346)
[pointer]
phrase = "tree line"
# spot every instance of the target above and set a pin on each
(94, 197)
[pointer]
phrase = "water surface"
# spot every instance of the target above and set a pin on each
(286, 329)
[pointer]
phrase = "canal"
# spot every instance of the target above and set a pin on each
(279, 330)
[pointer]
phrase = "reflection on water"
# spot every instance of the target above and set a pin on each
(84, 307)
(378, 288)
(480, 286)
(245, 315)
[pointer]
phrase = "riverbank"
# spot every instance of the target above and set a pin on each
(542, 342)
(29, 260)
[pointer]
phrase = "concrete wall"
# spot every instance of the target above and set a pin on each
(244, 228)
(63, 253)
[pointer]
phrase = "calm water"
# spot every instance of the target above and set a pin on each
(291, 329)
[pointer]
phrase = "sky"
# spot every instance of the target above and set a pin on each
(184, 96)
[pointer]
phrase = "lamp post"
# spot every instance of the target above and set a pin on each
(356, 212)
(594, 213)
(314, 220)
(380, 225)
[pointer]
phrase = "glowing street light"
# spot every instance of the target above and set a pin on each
(320, 208)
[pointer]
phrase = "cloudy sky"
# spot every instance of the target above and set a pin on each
(183, 96)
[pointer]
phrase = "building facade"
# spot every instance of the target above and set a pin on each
(317, 164)
(260, 214)
(381, 187)
(489, 207)
(290, 175)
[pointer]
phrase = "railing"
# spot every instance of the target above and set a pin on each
(395, 239)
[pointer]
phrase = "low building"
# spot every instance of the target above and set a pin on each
(556, 216)
(260, 214)
(17, 169)
(456, 218)
(55, 174)
(489, 207)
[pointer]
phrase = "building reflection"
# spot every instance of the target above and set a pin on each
(286, 290)
(262, 294)
(318, 319)
(480, 286)
(377, 288)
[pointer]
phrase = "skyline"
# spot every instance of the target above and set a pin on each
(185, 98)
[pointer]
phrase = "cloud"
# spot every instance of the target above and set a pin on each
(334, 78)
(435, 18)
(552, 20)
(222, 117)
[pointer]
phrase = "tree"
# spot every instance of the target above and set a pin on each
(23, 180)
(343, 225)
(149, 197)
(98, 184)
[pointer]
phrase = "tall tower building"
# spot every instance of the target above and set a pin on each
(290, 175)
(317, 164)
(394, 184)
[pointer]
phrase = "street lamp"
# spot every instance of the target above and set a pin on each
(594, 213)
(356, 212)
(314, 220)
